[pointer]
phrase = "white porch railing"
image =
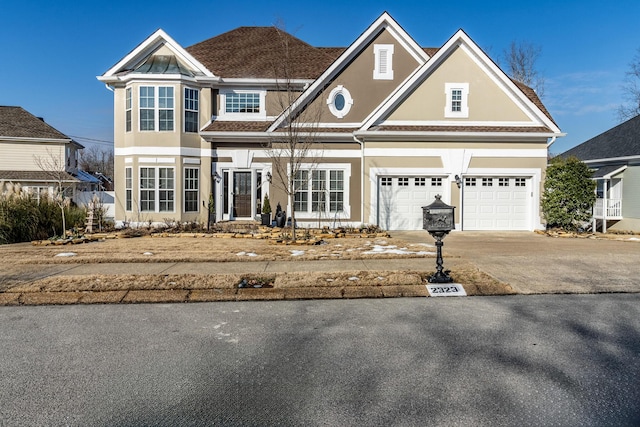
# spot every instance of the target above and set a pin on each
(614, 208)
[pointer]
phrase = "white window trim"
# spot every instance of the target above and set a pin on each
(184, 190)
(348, 101)
(156, 108)
(464, 110)
(156, 189)
(224, 115)
(346, 207)
(185, 110)
(377, 53)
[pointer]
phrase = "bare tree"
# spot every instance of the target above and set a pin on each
(96, 159)
(631, 90)
(293, 147)
(53, 166)
(520, 60)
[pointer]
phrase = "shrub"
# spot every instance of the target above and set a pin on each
(569, 194)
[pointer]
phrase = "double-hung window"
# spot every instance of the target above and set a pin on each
(157, 187)
(190, 110)
(320, 191)
(128, 186)
(191, 189)
(128, 110)
(156, 108)
(147, 189)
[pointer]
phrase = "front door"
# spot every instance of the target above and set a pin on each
(242, 194)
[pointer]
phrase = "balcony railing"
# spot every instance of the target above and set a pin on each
(614, 208)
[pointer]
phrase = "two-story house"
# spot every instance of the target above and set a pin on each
(393, 124)
(39, 157)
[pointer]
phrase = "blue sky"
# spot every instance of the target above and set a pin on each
(52, 51)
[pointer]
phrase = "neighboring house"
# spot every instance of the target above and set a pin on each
(39, 157)
(398, 124)
(615, 158)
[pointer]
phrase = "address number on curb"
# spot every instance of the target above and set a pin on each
(446, 290)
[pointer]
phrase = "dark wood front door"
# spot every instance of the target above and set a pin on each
(242, 194)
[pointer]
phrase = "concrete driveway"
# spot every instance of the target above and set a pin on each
(532, 263)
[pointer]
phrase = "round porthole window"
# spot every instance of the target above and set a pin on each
(339, 101)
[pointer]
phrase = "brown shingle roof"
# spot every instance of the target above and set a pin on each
(405, 128)
(34, 176)
(236, 126)
(16, 122)
(533, 97)
(257, 52)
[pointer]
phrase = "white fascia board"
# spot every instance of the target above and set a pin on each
(452, 136)
(611, 159)
(384, 21)
(151, 43)
(615, 172)
(461, 39)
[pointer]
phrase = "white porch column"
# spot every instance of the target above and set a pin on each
(605, 204)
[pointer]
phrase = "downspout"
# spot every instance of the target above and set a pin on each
(361, 143)
(550, 143)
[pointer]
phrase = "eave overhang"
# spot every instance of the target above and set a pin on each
(453, 136)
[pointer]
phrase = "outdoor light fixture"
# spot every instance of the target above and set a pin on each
(438, 220)
(269, 177)
(217, 177)
(458, 181)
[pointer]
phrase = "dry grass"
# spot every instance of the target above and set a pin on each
(203, 248)
(22, 286)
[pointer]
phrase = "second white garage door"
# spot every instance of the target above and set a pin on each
(496, 203)
(400, 200)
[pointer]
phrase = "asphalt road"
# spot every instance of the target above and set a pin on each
(564, 360)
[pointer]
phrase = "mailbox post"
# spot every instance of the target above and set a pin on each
(438, 220)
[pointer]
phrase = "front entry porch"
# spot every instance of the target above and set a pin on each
(241, 192)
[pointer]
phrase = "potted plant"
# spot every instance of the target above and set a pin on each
(266, 211)
(281, 216)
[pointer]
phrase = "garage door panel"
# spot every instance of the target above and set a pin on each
(500, 206)
(400, 206)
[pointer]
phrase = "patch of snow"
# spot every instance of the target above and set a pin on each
(353, 278)
(380, 278)
(634, 238)
(295, 252)
(243, 253)
(392, 249)
(329, 280)
(67, 254)
(148, 253)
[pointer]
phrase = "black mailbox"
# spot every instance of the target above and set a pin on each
(438, 216)
(438, 220)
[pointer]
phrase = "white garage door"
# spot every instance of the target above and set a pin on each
(496, 203)
(400, 200)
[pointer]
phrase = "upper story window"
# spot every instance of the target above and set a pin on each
(383, 57)
(127, 109)
(238, 104)
(156, 108)
(190, 110)
(457, 100)
(339, 101)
